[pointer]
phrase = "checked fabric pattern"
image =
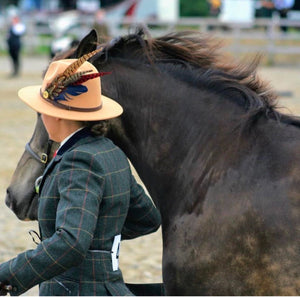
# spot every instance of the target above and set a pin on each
(88, 195)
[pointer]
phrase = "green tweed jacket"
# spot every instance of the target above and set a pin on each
(87, 196)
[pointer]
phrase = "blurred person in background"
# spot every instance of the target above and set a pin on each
(16, 31)
(282, 6)
(215, 7)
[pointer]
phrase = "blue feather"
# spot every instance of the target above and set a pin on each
(71, 90)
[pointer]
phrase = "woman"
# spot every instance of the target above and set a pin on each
(88, 196)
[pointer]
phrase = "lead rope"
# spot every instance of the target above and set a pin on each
(33, 235)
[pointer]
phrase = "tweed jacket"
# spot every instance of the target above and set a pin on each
(87, 197)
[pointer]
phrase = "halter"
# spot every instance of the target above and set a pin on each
(40, 157)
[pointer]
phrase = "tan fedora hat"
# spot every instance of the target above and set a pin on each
(71, 90)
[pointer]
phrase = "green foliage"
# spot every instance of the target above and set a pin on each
(194, 8)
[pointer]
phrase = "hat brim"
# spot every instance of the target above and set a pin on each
(31, 96)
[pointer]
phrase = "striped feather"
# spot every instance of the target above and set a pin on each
(75, 65)
(75, 77)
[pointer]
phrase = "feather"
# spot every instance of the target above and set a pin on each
(87, 77)
(69, 83)
(75, 65)
(71, 91)
(75, 77)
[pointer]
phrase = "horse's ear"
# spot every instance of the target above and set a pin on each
(87, 44)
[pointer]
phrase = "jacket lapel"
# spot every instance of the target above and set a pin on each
(83, 133)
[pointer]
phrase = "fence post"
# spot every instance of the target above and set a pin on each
(30, 38)
(271, 35)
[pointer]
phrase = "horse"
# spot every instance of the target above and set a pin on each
(219, 159)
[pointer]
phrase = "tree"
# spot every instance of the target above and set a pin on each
(193, 8)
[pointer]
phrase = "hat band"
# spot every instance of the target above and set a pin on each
(71, 108)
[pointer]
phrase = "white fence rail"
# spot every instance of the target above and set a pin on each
(261, 35)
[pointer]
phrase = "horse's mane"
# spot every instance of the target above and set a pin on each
(202, 55)
(208, 66)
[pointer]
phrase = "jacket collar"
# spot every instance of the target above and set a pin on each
(78, 135)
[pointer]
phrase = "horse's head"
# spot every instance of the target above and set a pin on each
(21, 195)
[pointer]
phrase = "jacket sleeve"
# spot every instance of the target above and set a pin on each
(143, 217)
(76, 219)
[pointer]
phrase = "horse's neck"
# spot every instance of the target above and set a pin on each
(167, 124)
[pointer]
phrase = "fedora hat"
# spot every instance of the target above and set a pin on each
(71, 90)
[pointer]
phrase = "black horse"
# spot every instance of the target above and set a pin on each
(219, 160)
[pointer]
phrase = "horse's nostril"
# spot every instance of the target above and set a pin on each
(8, 200)
(7, 194)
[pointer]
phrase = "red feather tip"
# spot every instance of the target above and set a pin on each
(87, 77)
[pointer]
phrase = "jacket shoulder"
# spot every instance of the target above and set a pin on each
(101, 150)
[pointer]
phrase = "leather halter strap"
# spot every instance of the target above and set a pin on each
(40, 157)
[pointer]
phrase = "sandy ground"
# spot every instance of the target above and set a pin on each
(140, 258)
